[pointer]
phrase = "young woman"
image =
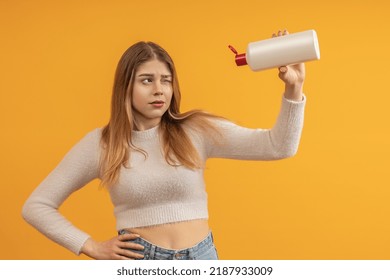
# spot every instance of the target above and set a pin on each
(151, 158)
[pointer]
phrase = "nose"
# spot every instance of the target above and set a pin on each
(158, 89)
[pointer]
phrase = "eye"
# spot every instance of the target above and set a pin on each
(147, 81)
(168, 81)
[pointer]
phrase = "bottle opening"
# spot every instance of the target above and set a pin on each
(240, 58)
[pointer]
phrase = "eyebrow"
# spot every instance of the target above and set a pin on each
(152, 75)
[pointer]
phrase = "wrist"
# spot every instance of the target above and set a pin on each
(294, 91)
(89, 248)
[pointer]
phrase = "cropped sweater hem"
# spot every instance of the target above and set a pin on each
(161, 214)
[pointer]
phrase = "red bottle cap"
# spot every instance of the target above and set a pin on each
(240, 58)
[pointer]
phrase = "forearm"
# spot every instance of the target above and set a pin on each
(38, 212)
(286, 133)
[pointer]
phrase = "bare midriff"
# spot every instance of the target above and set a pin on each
(174, 235)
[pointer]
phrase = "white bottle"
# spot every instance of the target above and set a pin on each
(280, 51)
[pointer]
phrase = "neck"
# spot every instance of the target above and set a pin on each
(140, 126)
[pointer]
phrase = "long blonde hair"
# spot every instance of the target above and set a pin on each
(116, 141)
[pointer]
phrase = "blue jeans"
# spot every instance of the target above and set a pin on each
(204, 250)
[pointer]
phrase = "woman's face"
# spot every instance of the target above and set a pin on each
(152, 93)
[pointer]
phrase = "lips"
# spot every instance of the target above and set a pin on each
(157, 102)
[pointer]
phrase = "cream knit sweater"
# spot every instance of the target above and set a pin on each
(152, 192)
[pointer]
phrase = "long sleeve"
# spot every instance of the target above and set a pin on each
(280, 142)
(77, 168)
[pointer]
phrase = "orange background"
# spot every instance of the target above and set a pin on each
(331, 201)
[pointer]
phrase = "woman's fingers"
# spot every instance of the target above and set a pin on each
(283, 69)
(123, 239)
(280, 33)
(124, 245)
(128, 236)
(129, 254)
(124, 252)
(131, 245)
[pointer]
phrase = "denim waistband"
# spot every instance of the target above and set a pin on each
(151, 250)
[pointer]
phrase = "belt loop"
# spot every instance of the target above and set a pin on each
(152, 252)
(191, 254)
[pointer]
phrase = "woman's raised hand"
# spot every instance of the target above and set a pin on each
(292, 75)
